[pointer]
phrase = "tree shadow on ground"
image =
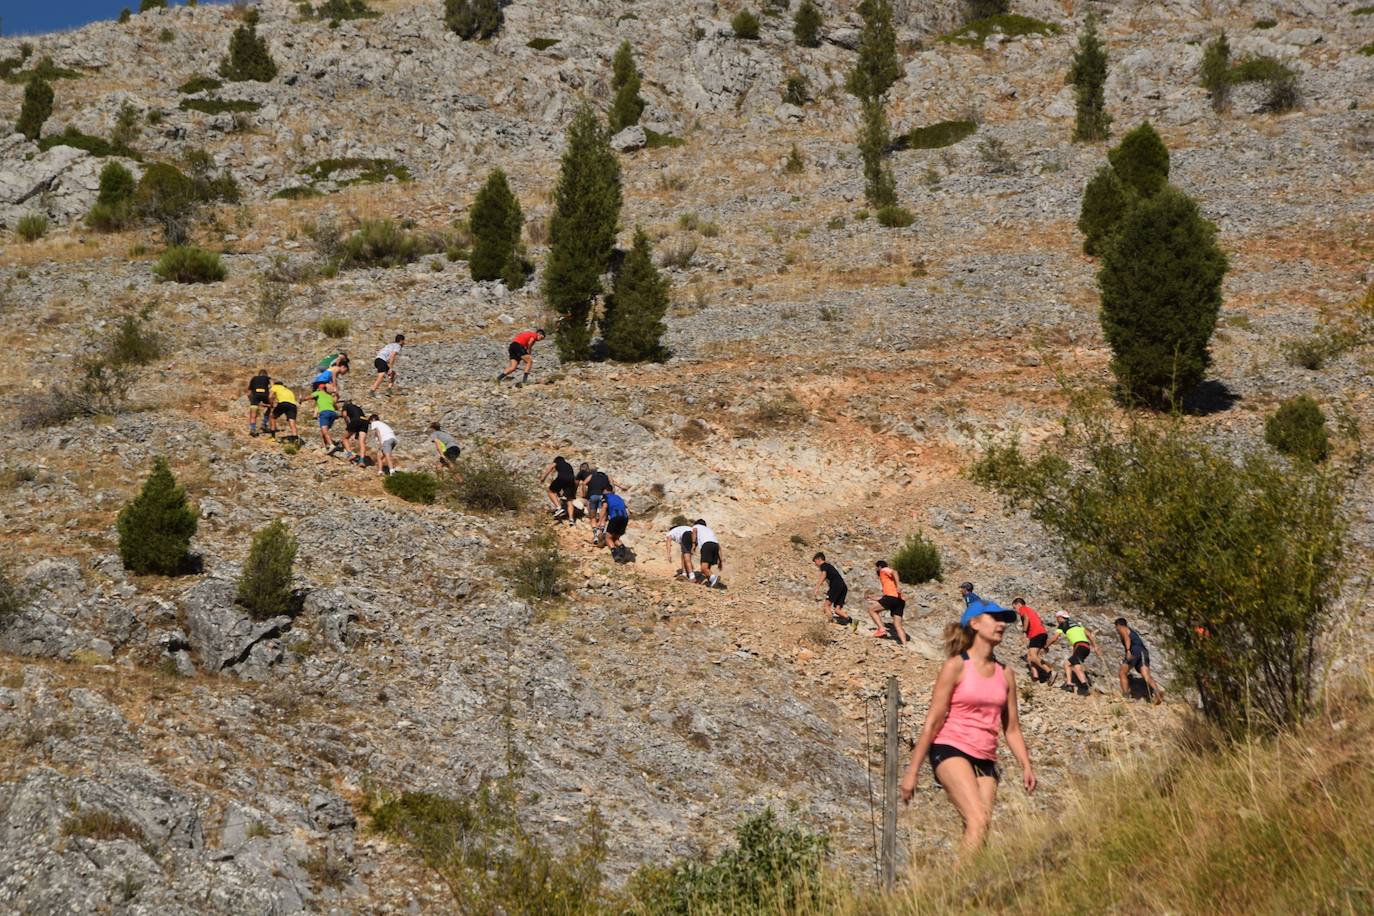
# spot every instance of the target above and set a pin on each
(1211, 397)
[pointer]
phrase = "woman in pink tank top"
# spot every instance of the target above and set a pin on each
(974, 698)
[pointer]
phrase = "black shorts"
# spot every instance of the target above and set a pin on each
(285, 410)
(893, 605)
(617, 526)
(564, 487)
(710, 553)
(256, 398)
(1136, 662)
(381, 365)
(452, 452)
(1080, 654)
(516, 351)
(358, 427)
(1039, 642)
(837, 595)
(939, 753)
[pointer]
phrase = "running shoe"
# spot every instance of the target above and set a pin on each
(1049, 681)
(879, 634)
(1082, 690)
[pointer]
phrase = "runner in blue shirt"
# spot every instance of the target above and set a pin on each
(614, 518)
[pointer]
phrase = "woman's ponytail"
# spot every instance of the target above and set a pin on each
(958, 639)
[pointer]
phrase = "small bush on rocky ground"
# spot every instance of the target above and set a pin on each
(1260, 68)
(538, 570)
(156, 526)
(478, 846)
(369, 170)
(9, 65)
(32, 227)
(745, 25)
(146, 5)
(102, 825)
(199, 83)
(1011, 25)
(679, 254)
(12, 597)
(1298, 429)
(917, 560)
(166, 197)
(412, 486)
(655, 140)
(484, 483)
(218, 106)
(134, 343)
(772, 868)
(794, 164)
(474, 18)
(894, 217)
(189, 264)
(541, 44)
(207, 185)
(1238, 565)
(264, 588)
(248, 57)
(778, 412)
(796, 90)
(102, 386)
(806, 24)
(44, 70)
(1322, 346)
(334, 327)
(939, 135)
(983, 9)
(325, 868)
(627, 105)
(274, 297)
(96, 146)
(379, 243)
(996, 158)
(1283, 95)
(337, 10)
(35, 109)
(114, 204)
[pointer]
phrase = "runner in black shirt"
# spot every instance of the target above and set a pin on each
(258, 387)
(836, 590)
(562, 481)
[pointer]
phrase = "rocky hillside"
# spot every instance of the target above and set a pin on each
(830, 380)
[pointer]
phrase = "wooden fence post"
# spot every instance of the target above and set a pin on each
(890, 766)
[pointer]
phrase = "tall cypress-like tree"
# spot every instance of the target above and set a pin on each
(1216, 71)
(1088, 76)
(581, 231)
(248, 57)
(1161, 292)
(495, 222)
(875, 70)
(36, 108)
(625, 80)
(880, 188)
(806, 24)
(156, 526)
(632, 324)
(265, 584)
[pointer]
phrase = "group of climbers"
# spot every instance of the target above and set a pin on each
(589, 493)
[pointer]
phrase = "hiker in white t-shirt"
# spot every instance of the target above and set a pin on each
(680, 536)
(385, 364)
(709, 549)
(386, 444)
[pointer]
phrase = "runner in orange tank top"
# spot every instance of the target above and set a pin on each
(891, 601)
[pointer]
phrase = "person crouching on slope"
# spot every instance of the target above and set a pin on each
(521, 353)
(386, 444)
(974, 697)
(258, 388)
(680, 536)
(708, 549)
(613, 519)
(283, 402)
(1081, 643)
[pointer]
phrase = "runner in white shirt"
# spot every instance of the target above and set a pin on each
(386, 444)
(710, 553)
(385, 364)
(681, 537)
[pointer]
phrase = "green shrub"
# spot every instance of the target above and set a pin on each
(103, 825)
(1216, 71)
(1236, 565)
(655, 140)
(806, 24)
(632, 322)
(796, 90)
(894, 217)
(1260, 69)
(13, 598)
(133, 342)
(96, 146)
(917, 560)
(1265, 23)
(940, 134)
(880, 189)
(265, 584)
(199, 83)
(1105, 201)
(995, 156)
(772, 868)
(538, 571)
(1160, 283)
(156, 526)
(974, 33)
(206, 185)
(248, 57)
(484, 483)
(370, 171)
(1367, 50)
(1283, 95)
(876, 67)
(494, 223)
(1088, 76)
(296, 192)
(31, 227)
(334, 327)
(1323, 345)
(339, 10)
(218, 106)
(984, 9)
(781, 412)
(795, 164)
(627, 105)
(189, 264)
(474, 18)
(167, 197)
(1141, 160)
(125, 15)
(44, 70)
(412, 486)
(145, 5)
(1298, 429)
(36, 107)
(166, 36)
(541, 44)
(379, 243)
(745, 25)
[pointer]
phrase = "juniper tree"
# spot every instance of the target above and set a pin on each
(627, 106)
(1141, 160)
(248, 58)
(495, 223)
(167, 197)
(156, 526)
(1216, 71)
(36, 108)
(474, 18)
(1105, 200)
(1088, 76)
(1160, 284)
(806, 24)
(632, 324)
(265, 584)
(581, 231)
(876, 68)
(880, 189)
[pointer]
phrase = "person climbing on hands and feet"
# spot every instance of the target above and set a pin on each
(1081, 643)
(680, 538)
(967, 593)
(445, 445)
(835, 590)
(974, 697)
(613, 519)
(386, 445)
(1138, 658)
(259, 388)
(326, 413)
(521, 353)
(385, 364)
(328, 377)
(562, 482)
(1037, 637)
(708, 550)
(890, 600)
(284, 404)
(355, 432)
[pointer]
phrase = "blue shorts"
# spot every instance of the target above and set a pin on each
(327, 418)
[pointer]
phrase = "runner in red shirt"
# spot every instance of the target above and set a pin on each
(521, 355)
(1036, 638)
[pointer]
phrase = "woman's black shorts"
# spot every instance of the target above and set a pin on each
(1039, 642)
(893, 605)
(617, 526)
(517, 351)
(939, 753)
(710, 553)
